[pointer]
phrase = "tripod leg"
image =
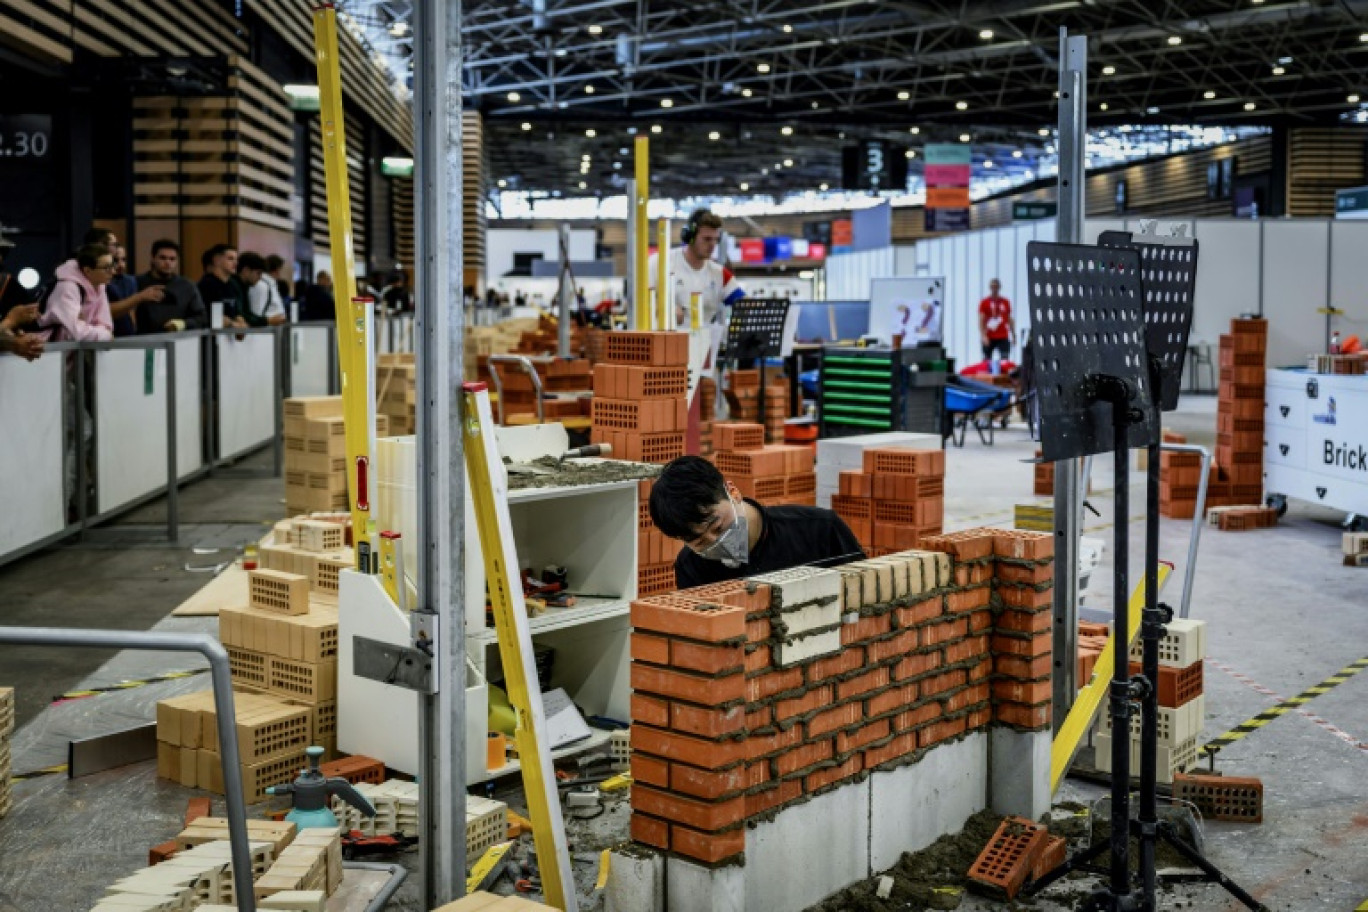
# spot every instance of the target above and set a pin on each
(1216, 875)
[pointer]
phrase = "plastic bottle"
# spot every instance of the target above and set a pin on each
(995, 366)
(1335, 342)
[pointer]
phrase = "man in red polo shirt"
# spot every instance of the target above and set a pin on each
(995, 322)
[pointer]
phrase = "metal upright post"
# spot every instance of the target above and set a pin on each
(441, 455)
(172, 460)
(567, 294)
(1072, 145)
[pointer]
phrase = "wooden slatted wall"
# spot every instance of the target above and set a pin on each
(1319, 162)
(401, 215)
(50, 30)
(474, 174)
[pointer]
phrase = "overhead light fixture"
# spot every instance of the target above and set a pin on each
(778, 166)
(514, 96)
(526, 126)
(788, 29)
(824, 187)
(762, 68)
(1175, 40)
(1016, 153)
(1044, 131)
(714, 136)
(904, 96)
(1278, 71)
(591, 132)
(988, 163)
(1102, 106)
(1249, 106)
(1109, 71)
(914, 130)
(617, 166)
(986, 34)
(744, 186)
(502, 183)
(788, 163)
(910, 153)
(815, 106)
(1208, 94)
(961, 106)
(302, 97)
(1152, 109)
(787, 131)
(667, 103)
(583, 185)
(596, 30)
(964, 137)
(585, 157)
(1353, 99)
(396, 166)
(1364, 37)
(764, 171)
(588, 90)
(746, 93)
(655, 128)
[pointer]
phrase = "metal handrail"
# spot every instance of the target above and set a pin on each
(526, 364)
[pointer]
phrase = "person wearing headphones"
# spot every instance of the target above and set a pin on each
(693, 270)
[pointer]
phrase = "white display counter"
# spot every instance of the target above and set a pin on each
(1316, 439)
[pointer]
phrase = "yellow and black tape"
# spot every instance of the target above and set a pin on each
(39, 773)
(1288, 705)
(128, 685)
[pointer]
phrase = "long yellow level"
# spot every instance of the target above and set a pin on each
(355, 354)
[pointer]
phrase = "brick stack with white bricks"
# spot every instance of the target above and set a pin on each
(840, 716)
(1182, 703)
(896, 498)
(1355, 548)
(774, 473)
(639, 395)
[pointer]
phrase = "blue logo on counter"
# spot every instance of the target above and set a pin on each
(1329, 416)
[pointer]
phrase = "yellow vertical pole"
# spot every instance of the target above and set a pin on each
(695, 311)
(662, 275)
(353, 314)
(640, 242)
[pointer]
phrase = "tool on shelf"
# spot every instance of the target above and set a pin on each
(312, 792)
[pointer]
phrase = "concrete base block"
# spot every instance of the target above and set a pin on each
(1020, 772)
(636, 881)
(694, 888)
(808, 851)
(913, 806)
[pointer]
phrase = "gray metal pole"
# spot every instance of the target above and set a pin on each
(222, 680)
(278, 438)
(567, 294)
(441, 459)
(172, 469)
(1072, 145)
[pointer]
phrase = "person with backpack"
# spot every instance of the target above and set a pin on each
(76, 306)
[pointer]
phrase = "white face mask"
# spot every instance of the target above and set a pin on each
(732, 547)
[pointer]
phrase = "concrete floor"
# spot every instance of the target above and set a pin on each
(1284, 615)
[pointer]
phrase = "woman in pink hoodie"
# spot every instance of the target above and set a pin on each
(77, 307)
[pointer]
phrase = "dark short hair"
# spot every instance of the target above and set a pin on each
(707, 219)
(250, 260)
(89, 255)
(685, 494)
(95, 236)
(213, 252)
(165, 244)
(273, 263)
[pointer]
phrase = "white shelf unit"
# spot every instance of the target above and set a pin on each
(591, 530)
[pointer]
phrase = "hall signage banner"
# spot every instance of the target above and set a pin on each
(949, 167)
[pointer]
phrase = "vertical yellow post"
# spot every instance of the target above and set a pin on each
(663, 303)
(640, 242)
(353, 337)
(695, 311)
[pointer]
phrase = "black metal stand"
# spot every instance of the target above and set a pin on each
(756, 330)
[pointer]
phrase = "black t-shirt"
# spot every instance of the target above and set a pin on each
(212, 290)
(789, 537)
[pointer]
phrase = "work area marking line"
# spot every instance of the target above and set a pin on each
(1290, 704)
(127, 685)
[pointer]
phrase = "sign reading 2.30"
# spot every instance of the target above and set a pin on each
(25, 136)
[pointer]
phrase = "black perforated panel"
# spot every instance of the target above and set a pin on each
(757, 327)
(1168, 279)
(1086, 322)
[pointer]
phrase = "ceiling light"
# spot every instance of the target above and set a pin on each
(617, 166)
(961, 106)
(502, 183)
(1364, 37)
(623, 150)
(910, 153)
(1278, 71)
(714, 136)
(583, 185)
(588, 90)
(788, 163)
(1208, 94)
(667, 103)
(1102, 106)
(988, 163)
(1152, 109)
(903, 96)
(1175, 40)
(824, 187)
(745, 187)
(787, 131)
(1249, 106)
(514, 96)
(1016, 153)
(778, 166)
(762, 68)
(655, 128)
(764, 170)
(596, 30)
(914, 130)
(1109, 71)
(746, 93)
(964, 137)
(788, 29)
(585, 157)
(815, 106)
(1284, 61)
(1044, 131)
(526, 126)
(1353, 99)
(986, 34)
(591, 133)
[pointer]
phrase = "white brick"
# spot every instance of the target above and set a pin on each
(808, 647)
(812, 616)
(802, 585)
(1184, 644)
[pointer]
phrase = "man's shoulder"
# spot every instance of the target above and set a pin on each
(797, 514)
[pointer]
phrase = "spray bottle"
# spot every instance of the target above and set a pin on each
(312, 791)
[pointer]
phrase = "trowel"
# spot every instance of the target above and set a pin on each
(584, 452)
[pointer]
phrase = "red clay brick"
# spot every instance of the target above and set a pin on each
(688, 749)
(1054, 854)
(650, 831)
(707, 723)
(648, 648)
(759, 659)
(1039, 621)
(1023, 716)
(965, 649)
(979, 621)
(1029, 574)
(681, 616)
(759, 717)
(803, 757)
(757, 746)
(822, 778)
(921, 612)
(1026, 597)
(783, 793)
(891, 699)
(915, 718)
(1010, 856)
(916, 665)
(941, 731)
(896, 645)
(814, 699)
(758, 630)
(707, 784)
(773, 682)
(979, 693)
(866, 628)
(898, 747)
(969, 545)
(708, 658)
(896, 460)
(650, 710)
(865, 734)
(1036, 645)
(967, 600)
(982, 671)
(940, 683)
(979, 717)
(162, 851)
(1025, 669)
(709, 847)
(833, 666)
(650, 770)
(973, 574)
(740, 435)
(1176, 686)
(856, 484)
(1018, 544)
(667, 682)
(702, 815)
(834, 718)
(861, 684)
(945, 631)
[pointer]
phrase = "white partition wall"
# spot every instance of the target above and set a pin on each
(848, 274)
(1296, 281)
(1227, 286)
(1349, 276)
(31, 400)
(312, 357)
(246, 375)
(189, 406)
(130, 425)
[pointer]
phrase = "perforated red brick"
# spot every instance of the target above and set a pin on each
(765, 463)
(1054, 854)
(709, 847)
(1009, 858)
(734, 436)
(904, 461)
(856, 484)
(647, 349)
(1176, 685)
(688, 749)
(1234, 798)
(682, 615)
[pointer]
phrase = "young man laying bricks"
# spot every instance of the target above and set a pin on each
(727, 536)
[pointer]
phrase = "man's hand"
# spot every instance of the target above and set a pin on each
(19, 316)
(174, 325)
(153, 293)
(25, 345)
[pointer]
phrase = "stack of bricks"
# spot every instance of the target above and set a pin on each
(316, 453)
(896, 500)
(1240, 416)
(1180, 474)
(1355, 548)
(639, 404)
(199, 875)
(1020, 851)
(751, 695)
(1044, 477)
(1182, 704)
(315, 547)
(1242, 519)
(6, 755)
(565, 387)
(743, 398)
(655, 552)
(312, 863)
(773, 474)
(1092, 639)
(396, 391)
(1354, 365)
(707, 409)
